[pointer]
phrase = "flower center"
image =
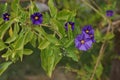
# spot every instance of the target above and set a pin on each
(87, 31)
(36, 17)
(82, 41)
(7, 16)
(91, 35)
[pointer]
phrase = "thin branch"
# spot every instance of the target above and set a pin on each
(114, 25)
(98, 60)
(101, 52)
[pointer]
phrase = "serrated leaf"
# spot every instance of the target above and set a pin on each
(4, 66)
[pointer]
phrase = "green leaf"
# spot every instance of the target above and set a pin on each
(4, 66)
(11, 39)
(57, 27)
(99, 71)
(72, 54)
(98, 36)
(66, 15)
(2, 45)
(108, 36)
(7, 54)
(53, 9)
(14, 6)
(19, 44)
(44, 44)
(4, 28)
(5, 7)
(27, 52)
(40, 30)
(69, 43)
(28, 36)
(33, 41)
(19, 54)
(33, 8)
(52, 39)
(49, 58)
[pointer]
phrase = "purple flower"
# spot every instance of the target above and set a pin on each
(89, 31)
(6, 16)
(36, 18)
(69, 24)
(83, 42)
(109, 13)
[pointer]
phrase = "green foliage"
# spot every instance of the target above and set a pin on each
(53, 10)
(50, 57)
(4, 66)
(51, 38)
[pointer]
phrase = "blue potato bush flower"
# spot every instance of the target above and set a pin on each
(89, 31)
(71, 24)
(109, 13)
(6, 16)
(83, 42)
(36, 18)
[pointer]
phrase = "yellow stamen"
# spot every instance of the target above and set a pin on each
(82, 41)
(7, 16)
(36, 17)
(91, 35)
(87, 31)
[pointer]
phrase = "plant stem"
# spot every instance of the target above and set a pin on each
(98, 60)
(101, 52)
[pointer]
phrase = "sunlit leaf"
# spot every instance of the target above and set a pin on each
(4, 66)
(44, 44)
(27, 52)
(2, 45)
(4, 28)
(49, 58)
(53, 10)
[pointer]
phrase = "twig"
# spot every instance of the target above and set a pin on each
(101, 52)
(98, 60)
(114, 26)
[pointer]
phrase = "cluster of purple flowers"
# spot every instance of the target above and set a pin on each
(36, 18)
(84, 40)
